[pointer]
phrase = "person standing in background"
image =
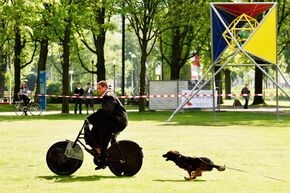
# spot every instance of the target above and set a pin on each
(78, 92)
(245, 90)
(89, 101)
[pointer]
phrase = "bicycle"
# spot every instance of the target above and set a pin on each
(124, 157)
(34, 108)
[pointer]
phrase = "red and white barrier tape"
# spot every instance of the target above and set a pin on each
(158, 96)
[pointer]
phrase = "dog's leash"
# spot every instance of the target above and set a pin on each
(259, 174)
(244, 171)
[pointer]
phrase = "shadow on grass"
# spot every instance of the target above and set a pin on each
(168, 180)
(68, 179)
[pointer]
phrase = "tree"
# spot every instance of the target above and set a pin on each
(21, 35)
(183, 33)
(142, 16)
(42, 32)
(97, 26)
(2, 62)
(63, 13)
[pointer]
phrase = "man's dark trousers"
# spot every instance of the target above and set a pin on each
(102, 133)
(78, 102)
(246, 101)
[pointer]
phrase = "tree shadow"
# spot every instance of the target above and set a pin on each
(168, 180)
(68, 179)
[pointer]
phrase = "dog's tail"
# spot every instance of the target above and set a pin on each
(219, 168)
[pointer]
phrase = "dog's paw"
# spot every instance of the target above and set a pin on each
(187, 178)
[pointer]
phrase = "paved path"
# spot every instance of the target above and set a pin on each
(55, 112)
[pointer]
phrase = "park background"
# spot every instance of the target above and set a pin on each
(86, 41)
(82, 41)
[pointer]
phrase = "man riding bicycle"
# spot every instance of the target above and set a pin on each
(110, 118)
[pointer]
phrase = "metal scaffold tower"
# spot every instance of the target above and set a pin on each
(234, 25)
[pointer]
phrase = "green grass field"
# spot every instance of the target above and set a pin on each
(252, 142)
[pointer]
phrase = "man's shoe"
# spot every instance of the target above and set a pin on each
(100, 167)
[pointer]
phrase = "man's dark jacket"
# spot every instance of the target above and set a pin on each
(79, 91)
(245, 90)
(111, 110)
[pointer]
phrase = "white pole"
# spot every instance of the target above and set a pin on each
(10, 88)
(9, 81)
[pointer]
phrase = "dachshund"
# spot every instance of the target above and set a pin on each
(193, 165)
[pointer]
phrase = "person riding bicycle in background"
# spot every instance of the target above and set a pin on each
(24, 91)
(110, 118)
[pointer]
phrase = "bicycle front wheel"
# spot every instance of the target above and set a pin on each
(18, 108)
(35, 109)
(59, 163)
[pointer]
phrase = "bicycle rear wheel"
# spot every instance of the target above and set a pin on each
(59, 163)
(125, 158)
(18, 108)
(35, 109)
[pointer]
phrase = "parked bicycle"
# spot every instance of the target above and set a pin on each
(34, 108)
(124, 158)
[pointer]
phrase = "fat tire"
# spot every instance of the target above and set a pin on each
(58, 163)
(133, 158)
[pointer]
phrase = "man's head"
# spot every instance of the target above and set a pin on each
(88, 85)
(102, 87)
(246, 85)
(79, 85)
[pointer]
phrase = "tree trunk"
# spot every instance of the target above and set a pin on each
(65, 67)
(2, 66)
(99, 43)
(258, 84)
(17, 52)
(2, 72)
(228, 82)
(175, 55)
(142, 101)
(175, 71)
(41, 64)
(218, 83)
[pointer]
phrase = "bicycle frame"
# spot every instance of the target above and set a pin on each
(81, 135)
